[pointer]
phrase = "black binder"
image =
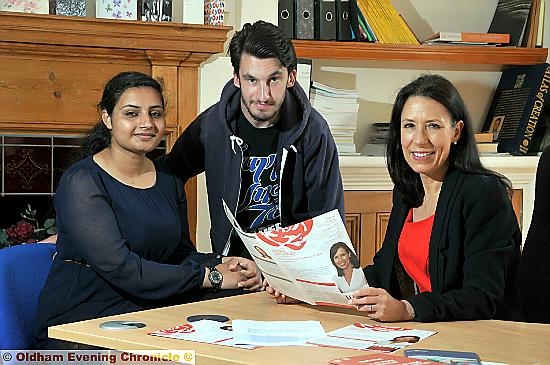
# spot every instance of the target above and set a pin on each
(325, 19)
(304, 23)
(343, 25)
(286, 17)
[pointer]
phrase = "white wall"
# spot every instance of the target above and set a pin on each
(377, 81)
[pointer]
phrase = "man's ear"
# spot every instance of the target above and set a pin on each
(291, 78)
(236, 80)
(106, 119)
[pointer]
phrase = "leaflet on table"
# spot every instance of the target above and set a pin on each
(296, 260)
(364, 336)
(276, 333)
(205, 331)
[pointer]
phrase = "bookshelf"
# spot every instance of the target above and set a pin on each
(482, 55)
(366, 182)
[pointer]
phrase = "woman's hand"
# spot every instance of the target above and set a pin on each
(252, 276)
(279, 297)
(380, 305)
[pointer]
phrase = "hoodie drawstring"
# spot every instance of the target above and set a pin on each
(234, 139)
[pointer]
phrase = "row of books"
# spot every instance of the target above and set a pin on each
(210, 12)
(344, 20)
(378, 21)
(517, 23)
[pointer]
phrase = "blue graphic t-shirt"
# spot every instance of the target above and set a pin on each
(258, 206)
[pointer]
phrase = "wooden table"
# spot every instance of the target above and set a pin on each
(513, 343)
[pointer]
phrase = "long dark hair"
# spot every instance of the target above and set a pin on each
(354, 261)
(99, 137)
(262, 40)
(463, 156)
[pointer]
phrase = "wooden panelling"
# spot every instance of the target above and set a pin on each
(367, 215)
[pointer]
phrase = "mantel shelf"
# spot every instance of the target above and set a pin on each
(422, 53)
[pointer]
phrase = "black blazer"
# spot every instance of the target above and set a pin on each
(473, 256)
(535, 264)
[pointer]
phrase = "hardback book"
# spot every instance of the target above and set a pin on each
(155, 10)
(325, 19)
(469, 37)
(540, 29)
(188, 11)
(487, 147)
(445, 356)
(214, 11)
(517, 107)
(483, 137)
(117, 9)
(304, 26)
(286, 17)
(68, 7)
(26, 6)
(511, 17)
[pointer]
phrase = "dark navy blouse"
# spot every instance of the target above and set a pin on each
(119, 248)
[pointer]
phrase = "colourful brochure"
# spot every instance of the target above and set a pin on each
(313, 261)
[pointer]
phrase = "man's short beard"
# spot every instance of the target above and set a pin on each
(255, 116)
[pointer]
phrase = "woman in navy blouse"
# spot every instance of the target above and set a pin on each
(123, 241)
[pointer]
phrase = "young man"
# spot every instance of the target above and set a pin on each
(265, 151)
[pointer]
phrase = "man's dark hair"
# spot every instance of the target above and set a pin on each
(262, 40)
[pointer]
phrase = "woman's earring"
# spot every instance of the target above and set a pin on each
(455, 142)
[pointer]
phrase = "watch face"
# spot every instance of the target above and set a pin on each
(215, 277)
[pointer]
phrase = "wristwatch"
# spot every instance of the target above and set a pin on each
(215, 278)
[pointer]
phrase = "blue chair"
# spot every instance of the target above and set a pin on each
(23, 272)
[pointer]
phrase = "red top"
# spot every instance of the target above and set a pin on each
(413, 250)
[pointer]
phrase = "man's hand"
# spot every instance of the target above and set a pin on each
(248, 269)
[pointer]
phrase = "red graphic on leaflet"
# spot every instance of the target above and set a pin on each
(293, 237)
(184, 328)
(377, 328)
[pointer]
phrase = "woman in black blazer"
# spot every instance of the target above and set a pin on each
(535, 264)
(452, 246)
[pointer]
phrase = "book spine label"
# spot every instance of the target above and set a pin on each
(536, 112)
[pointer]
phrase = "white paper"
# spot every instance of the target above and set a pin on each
(363, 336)
(276, 333)
(296, 260)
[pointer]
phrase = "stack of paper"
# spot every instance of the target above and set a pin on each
(339, 107)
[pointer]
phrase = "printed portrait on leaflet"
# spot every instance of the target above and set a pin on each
(350, 275)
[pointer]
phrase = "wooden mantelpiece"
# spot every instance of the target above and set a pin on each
(54, 67)
(53, 70)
